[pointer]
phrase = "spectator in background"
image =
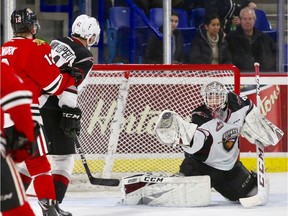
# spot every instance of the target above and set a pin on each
(154, 50)
(228, 11)
(189, 5)
(209, 45)
(248, 45)
(159, 3)
(146, 5)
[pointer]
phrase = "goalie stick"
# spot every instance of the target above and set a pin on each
(262, 195)
(93, 180)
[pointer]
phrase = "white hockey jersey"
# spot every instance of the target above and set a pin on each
(216, 140)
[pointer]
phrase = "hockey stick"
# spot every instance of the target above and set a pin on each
(93, 180)
(262, 195)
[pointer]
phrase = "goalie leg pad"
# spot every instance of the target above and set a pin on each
(166, 191)
(172, 130)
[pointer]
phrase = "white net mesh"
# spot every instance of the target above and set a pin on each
(120, 106)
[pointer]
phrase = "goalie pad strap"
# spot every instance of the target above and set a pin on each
(166, 191)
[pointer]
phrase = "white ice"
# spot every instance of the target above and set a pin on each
(108, 203)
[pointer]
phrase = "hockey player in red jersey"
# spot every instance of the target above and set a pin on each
(15, 101)
(32, 62)
(59, 127)
(211, 141)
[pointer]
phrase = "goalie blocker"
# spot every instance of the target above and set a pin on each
(258, 128)
(172, 191)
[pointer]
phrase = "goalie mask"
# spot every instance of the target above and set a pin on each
(215, 96)
(88, 28)
(23, 21)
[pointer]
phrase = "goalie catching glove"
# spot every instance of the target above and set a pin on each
(70, 121)
(257, 128)
(77, 73)
(172, 130)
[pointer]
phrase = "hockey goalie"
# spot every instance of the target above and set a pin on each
(211, 141)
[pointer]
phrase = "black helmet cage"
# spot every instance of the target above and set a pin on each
(24, 21)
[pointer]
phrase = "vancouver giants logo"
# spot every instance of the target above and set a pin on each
(229, 138)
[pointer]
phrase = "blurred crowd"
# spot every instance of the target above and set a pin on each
(226, 35)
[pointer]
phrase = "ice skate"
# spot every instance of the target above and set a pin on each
(48, 207)
(61, 212)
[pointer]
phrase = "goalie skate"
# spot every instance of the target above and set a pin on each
(172, 130)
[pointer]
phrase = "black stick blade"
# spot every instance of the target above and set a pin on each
(104, 182)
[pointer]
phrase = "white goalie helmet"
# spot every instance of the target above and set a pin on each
(88, 28)
(215, 95)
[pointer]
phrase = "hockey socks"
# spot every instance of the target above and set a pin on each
(26, 180)
(44, 187)
(61, 185)
(39, 169)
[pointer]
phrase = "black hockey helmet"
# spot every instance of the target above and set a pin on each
(24, 21)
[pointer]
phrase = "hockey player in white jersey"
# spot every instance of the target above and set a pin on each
(61, 114)
(211, 141)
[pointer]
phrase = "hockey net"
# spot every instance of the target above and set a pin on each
(120, 106)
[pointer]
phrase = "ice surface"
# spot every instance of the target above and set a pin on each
(108, 203)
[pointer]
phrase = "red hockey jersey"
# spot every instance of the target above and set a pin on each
(31, 60)
(16, 100)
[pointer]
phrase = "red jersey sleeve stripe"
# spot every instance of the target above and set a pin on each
(16, 98)
(54, 86)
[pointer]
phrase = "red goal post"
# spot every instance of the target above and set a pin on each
(120, 105)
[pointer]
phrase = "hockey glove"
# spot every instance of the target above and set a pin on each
(77, 73)
(172, 130)
(70, 121)
(258, 128)
(19, 148)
